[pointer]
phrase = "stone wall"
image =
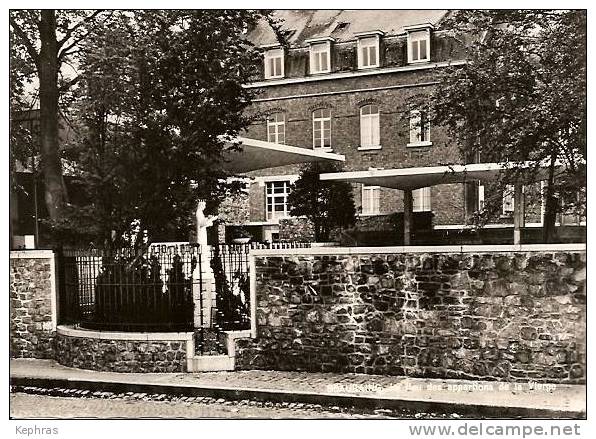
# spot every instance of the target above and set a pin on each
(507, 316)
(32, 304)
(121, 355)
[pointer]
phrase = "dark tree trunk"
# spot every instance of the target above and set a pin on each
(14, 204)
(55, 192)
(317, 227)
(550, 211)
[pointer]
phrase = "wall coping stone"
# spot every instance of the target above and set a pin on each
(580, 247)
(69, 331)
(31, 254)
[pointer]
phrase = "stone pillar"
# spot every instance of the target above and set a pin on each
(33, 304)
(518, 212)
(203, 290)
(408, 208)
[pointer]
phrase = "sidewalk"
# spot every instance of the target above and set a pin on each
(470, 398)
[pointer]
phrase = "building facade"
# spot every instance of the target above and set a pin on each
(351, 82)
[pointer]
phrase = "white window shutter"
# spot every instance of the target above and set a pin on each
(364, 130)
(375, 128)
(376, 200)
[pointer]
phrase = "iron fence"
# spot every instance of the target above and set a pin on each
(230, 264)
(151, 289)
(129, 289)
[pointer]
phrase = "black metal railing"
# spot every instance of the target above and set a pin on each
(230, 264)
(129, 289)
(151, 289)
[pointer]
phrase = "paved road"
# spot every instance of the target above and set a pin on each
(24, 405)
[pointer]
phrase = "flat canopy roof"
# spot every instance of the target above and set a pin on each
(416, 178)
(257, 154)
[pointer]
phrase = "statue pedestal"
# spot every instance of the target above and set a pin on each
(203, 291)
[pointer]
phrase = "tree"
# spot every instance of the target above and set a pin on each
(22, 146)
(327, 204)
(160, 95)
(48, 40)
(521, 97)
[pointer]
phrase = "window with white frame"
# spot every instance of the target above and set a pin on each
(368, 52)
(277, 199)
(276, 128)
(371, 196)
(274, 63)
(509, 199)
(321, 128)
(369, 126)
(421, 200)
(419, 128)
(320, 55)
(419, 46)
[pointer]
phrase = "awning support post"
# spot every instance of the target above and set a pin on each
(408, 208)
(518, 212)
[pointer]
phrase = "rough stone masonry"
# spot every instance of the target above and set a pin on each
(121, 355)
(31, 327)
(502, 316)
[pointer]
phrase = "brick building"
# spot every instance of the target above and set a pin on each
(351, 82)
(346, 82)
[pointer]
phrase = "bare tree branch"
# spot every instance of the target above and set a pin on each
(70, 31)
(31, 51)
(65, 51)
(69, 84)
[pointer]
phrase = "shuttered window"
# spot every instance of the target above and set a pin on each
(421, 200)
(370, 200)
(276, 128)
(274, 63)
(321, 128)
(369, 126)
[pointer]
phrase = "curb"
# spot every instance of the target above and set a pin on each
(468, 410)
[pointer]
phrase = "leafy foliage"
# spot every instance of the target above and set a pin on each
(327, 204)
(521, 97)
(43, 42)
(160, 94)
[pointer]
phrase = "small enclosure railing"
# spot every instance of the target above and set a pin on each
(230, 263)
(129, 289)
(151, 289)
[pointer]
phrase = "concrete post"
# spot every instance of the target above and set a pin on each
(408, 208)
(203, 291)
(518, 212)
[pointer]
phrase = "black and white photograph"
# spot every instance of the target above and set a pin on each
(305, 214)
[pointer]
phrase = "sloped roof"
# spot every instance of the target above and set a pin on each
(257, 154)
(304, 24)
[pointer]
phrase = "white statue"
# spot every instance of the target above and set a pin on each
(203, 222)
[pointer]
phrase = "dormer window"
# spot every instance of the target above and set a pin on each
(368, 49)
(320, 55)
(419, 43)
(274, 63)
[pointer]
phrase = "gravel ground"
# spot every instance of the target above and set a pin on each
(35, 402)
